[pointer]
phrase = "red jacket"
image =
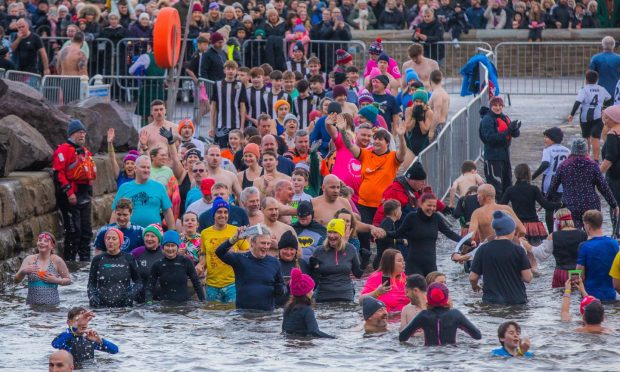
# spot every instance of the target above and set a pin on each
(72, 168)
(406, 199)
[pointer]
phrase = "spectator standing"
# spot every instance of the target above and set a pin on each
(429, 33)
(607, 64)
(561, 14)
(475, 15)
(212, 61)
(495, 15)
(29, 49)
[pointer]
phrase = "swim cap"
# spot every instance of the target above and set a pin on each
(437, 295)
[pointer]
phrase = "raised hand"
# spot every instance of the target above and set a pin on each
(167, 134)
(111, 135)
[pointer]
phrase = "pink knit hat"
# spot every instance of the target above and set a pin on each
(613, 112)
(301, 284)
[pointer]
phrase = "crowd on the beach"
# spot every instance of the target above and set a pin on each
(308, 174)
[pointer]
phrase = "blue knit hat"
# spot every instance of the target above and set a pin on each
(171, 236)
(217, 204)
(75, 126)
(384, 57)
(369, 112)
(503, 224)
(410, 74)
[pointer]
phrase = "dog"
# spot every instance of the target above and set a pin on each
(362, 20)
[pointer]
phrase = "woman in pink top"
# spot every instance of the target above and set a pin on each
(392, 294)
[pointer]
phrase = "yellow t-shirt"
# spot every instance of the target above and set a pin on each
(614, 272)
(219, 274)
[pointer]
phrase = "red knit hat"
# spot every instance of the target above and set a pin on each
(206, 184)
(121, 236)
(343, 57)
(437, 295)
(301, 284)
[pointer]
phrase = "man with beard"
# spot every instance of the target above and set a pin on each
(250, 201)
(213, 160)
(375, 315)
(258, 277)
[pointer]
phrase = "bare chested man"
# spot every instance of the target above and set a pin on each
(267, 181)
(283, 193)
(72, 61)
(326, 205)
(482, 217)
(439, 103)
(250, 201)
(271, 211)
(150, 135)
(213, 159)
(423, 66)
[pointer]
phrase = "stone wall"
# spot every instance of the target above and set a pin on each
(28, 207)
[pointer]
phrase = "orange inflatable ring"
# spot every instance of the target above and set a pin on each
(167, 38)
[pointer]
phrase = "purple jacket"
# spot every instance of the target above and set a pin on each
(579, 175)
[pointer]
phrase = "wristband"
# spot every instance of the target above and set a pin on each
(567, 291)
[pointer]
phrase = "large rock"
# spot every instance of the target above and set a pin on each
(29, 104)
(22, 147)
(112, 116)
(95, 132)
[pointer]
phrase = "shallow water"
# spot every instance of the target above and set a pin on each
(160, 338)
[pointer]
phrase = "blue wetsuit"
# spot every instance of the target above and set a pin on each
(501, 352)
(80, 347)
(257, 282)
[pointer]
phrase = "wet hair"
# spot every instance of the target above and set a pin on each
(591, 77)
(594, 313)
(124, 203)
(501, 330)
(523, 173)
(297, 302)
(74, 312)
(432, 276)
(390, 206)
(386, 265)
(436, 77)
(427, 196)
(593, 218)
(416, 281)
(468, 166)
(472, 190)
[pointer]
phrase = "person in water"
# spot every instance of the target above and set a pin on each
(438, 321)
(591, 309)
(299, 317)
(375, 315)
(415, 289)
(45, 272)
(60, 361)
(81, 341)
(147, 255)
(513, 345)
(169, 276)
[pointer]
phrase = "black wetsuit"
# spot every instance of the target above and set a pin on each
(184, 187)
(439, 325)
(172, 275)
(523, 196)
(300, 321)
(465, 207)
(145, 258)
(421, 232)
(110, 280)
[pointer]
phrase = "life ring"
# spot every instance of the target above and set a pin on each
(167, 38)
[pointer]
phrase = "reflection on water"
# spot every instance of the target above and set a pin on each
(217, 337)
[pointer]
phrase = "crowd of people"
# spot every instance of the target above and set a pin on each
(34, 33)
(300, 183)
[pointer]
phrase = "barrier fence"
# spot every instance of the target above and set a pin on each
(62, 90)
(555, 68)
(457, 142)
(100, 53)
(28, 78)
(455, 55)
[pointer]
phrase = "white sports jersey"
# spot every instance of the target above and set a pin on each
(592, 97)
(617, 94)
(555, 155)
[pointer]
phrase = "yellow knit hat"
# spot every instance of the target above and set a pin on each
(336, 225)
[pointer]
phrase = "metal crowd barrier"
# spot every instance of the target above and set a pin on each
(253, 53)
(128, 49)
(457, 142)
(555, 67)
(101, 53)
(61, 90)
(2, 73)
(135, 94)
(455, 56)
(28, 78)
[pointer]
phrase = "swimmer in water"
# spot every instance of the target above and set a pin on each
(439, 322)
(513, 345)
(79, 340)
(591, 309)
(375, 315)
(415, 289)
(60, 361)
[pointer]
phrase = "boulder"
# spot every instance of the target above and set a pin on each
(27, 103)
(95, 132)
(22, 147)
(113, 116)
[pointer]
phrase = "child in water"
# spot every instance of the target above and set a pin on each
(415, 289)
(509, 334)
(299, 317)
(80, 341)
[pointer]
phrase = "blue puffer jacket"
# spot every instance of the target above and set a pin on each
(471, 75)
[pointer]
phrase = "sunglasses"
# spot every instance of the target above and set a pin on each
(198, 170)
